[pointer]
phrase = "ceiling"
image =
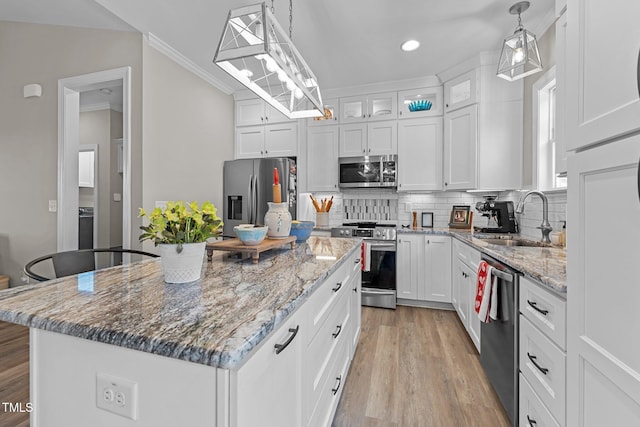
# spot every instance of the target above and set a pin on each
(346, 43)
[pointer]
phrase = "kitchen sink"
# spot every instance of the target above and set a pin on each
(511, 241)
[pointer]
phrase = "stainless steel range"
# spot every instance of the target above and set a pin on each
(379, 280)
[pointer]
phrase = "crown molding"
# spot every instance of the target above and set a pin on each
(162, 47)
(100, 106)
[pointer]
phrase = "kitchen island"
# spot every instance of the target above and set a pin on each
(225, 350)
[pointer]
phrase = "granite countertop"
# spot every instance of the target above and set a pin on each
(545, 265)
(214, 321)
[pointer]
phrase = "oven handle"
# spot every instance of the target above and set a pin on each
(383, 247)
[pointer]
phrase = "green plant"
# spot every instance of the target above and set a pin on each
(178, 223)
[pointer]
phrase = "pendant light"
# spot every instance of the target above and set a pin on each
(520, 56)
(255, 50)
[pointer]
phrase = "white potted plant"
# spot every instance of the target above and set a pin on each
(181, 231)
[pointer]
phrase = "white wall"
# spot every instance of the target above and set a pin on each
(43, 54)
(188, 132)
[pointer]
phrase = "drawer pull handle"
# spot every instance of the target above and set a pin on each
(357, 261)
(531, 421)
(335, 390)
(534, 305)
(337, 332)
(355, 289)
(337, 287)
(293, 332)
(533, 360)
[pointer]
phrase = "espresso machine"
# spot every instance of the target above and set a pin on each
(501, 216)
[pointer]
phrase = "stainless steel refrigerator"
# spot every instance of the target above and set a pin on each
(248, 187)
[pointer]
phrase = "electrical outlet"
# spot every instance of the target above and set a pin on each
(162, 204)
(53, 205)
(117, 395)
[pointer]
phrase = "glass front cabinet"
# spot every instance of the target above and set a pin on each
(380, 106)
(424, 102)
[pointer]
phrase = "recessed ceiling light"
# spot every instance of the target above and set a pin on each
(410, 45)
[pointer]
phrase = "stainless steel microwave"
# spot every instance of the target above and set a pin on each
(368, 172)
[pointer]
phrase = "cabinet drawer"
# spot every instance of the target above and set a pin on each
(533, 413)
(325, 298)
(467, 254)
(332, 336)
(545, 310)
(543, 364)
(331, 389)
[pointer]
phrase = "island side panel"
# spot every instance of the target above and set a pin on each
(63, 385)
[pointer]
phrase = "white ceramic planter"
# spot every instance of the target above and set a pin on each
(183, 267)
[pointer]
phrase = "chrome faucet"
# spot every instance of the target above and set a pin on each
(545, 227)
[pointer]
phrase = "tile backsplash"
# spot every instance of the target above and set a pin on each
(389, 206)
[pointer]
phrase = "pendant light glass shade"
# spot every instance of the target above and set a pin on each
(520, 56)
(255, 50)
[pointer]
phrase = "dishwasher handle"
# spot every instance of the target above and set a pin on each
(507, 277)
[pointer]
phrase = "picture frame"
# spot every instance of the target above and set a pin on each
(427, 220)
(461, 217)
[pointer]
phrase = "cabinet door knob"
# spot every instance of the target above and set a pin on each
(446, 183)
(401, 112)
(364, 116)
(369, 149)
(266, 152)
(262, 119)
(369, 114)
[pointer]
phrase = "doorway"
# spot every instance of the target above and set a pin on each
(70, 92)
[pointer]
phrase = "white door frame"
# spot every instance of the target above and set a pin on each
(68, 123)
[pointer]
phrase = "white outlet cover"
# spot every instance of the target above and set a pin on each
(53, 205)
(112, 392)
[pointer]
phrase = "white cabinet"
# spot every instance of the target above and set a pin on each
(465, 277)
(461, 148)
(332, 114)
(461, 91)
(437, 269)
(410, 273)
(542, 355)
(602, 91)
(369, 139)
(380, 106)
(269, 384)
(603, 363)
(483, 124)
(561, 89)
(257, 112)
(423, 102)
(424, 267)
(420, 154)
(322, 158)
(275, 140)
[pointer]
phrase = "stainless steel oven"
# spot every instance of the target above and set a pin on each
(379, 280)
(369, 171)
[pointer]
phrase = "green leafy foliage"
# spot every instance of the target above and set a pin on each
(179, 223)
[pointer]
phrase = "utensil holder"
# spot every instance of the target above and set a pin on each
(322, 219)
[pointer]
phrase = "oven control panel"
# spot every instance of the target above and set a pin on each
(383, 233)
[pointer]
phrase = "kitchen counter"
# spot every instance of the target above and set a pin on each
(545, 265)
(215, 321)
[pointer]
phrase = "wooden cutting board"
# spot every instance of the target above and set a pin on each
(236, 245)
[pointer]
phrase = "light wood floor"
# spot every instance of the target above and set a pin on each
(413, 367)
(14, 373)
(417, 367)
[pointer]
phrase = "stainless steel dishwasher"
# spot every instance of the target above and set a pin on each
(499, 339)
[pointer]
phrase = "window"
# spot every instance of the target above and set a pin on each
(544, 135)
